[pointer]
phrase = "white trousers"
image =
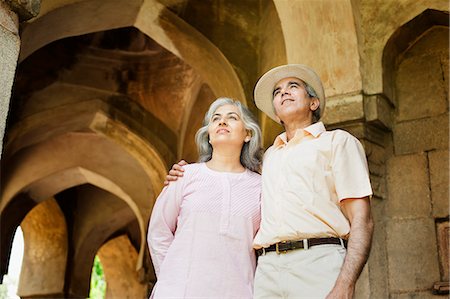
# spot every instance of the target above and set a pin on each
(301, 273)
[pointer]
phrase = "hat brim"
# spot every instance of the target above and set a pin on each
(263, 93)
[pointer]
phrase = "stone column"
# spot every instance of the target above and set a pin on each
(12, 12)
(369, 118)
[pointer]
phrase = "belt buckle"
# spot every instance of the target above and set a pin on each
(277, 250)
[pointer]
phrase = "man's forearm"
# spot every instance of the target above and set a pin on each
(358, 249)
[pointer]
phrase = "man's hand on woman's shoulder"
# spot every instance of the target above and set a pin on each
(175, 172)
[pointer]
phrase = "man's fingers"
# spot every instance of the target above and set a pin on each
(171, 178)
(175, 173)
(182, 163)
(177, 167)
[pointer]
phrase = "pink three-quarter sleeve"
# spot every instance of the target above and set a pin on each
(163, 222)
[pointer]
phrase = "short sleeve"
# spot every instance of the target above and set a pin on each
(349, 167)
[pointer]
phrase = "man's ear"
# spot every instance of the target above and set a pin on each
(315, 103)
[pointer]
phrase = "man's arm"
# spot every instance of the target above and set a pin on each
(358, 213)
(175, 172)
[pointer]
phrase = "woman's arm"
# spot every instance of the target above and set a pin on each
(163, 223)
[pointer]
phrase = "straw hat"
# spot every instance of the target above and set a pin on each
(263, 93)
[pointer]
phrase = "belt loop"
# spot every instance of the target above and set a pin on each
(305, 244)
(342, 243)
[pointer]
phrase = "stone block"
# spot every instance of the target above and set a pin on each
(445, 73)
(415, 99)
(408, 186)
(378, 186)
(421, 135)
(412, 254)
(374, 152)
(341, 109)
(26, 9)
(9, 52)
(443, 235)
(416, 295)
(378, 110)
(439, 179)
(362, 289)
(377, 263)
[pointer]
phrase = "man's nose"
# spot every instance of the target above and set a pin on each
(284, 92)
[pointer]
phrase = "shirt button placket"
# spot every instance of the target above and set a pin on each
(226, 200)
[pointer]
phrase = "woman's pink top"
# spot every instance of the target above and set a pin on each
(201, 233)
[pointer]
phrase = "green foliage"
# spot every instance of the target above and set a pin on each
(98, 282)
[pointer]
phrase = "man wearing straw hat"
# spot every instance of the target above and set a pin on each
(316, 225)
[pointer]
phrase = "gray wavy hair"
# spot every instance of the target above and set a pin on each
(251, 153)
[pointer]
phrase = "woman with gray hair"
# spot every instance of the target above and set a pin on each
(202, 226)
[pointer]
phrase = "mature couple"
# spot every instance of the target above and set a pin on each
(307, 218)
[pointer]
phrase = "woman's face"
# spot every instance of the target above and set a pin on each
(227, 128)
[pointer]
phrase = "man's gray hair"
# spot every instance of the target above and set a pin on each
(251, 153)
(312, 94)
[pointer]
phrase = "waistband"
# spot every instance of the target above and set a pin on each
(285, 246)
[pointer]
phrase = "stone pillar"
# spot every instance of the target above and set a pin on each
(11, 13)
(369, 118)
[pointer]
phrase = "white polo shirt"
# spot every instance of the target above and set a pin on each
(304, 181)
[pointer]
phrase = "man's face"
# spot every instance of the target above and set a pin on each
(291, 101)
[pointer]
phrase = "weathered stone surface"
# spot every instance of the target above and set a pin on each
(374, 32)
(8, 18)
(378, 110)
(443, 237)
(332, 22)
(428, 98)
(407, 183)
(377, 263)
(445, 73)
(362, 289)
(9, 52)
(118, 258)
(45, 251)
(378, 186)
(26, 9)
(343, 108)
(416, 295)
(412, 259)
(421, 135)
(439, 178)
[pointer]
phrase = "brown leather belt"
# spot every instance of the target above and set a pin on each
(285, 246)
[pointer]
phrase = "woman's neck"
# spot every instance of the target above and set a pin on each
(225, 162)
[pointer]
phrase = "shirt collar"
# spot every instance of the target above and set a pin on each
(315, 130)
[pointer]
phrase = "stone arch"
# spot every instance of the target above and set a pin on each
(402, 39)
(151, 18)
(117, 257)
(195, 118)
(45, 251)
(416, 78)
(107, 210)
(100, 215)
(30, 171)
